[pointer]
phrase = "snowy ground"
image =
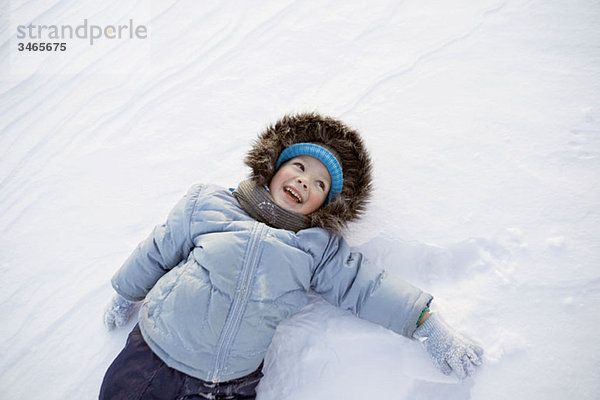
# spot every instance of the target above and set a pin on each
(483, 119)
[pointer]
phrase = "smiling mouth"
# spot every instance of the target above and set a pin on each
(293, 193)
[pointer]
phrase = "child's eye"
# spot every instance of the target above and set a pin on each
(321, 185)
(299, 165)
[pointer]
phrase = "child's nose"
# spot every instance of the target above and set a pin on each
(302, 182)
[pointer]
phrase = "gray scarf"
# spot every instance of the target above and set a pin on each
(258, 203)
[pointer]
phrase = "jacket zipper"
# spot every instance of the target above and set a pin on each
(240, 300)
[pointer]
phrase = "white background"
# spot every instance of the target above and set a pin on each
(483, 120)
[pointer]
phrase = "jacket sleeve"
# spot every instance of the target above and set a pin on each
(163, 249)
(348, 280)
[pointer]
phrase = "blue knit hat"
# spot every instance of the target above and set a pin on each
(321, 153)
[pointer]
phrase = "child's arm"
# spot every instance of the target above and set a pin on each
(346, 279)
(163, 249)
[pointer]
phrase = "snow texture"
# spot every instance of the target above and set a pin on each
(483, 120)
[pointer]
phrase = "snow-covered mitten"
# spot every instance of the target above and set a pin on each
(450, 351)
(118, 311)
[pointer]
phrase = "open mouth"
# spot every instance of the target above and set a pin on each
(293, 194)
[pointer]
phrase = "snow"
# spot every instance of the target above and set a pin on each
(483, 121)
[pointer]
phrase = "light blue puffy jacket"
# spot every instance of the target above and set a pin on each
(216, 283)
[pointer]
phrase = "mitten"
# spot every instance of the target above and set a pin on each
(450, 351)
(118, 311)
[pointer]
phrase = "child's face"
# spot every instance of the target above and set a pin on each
(301, 185)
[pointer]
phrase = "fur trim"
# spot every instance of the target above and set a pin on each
(312, 127)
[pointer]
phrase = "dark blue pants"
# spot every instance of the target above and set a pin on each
(138, 374)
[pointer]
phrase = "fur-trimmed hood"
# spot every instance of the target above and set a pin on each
(355, 160)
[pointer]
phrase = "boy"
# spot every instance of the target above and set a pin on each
(226, 268)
